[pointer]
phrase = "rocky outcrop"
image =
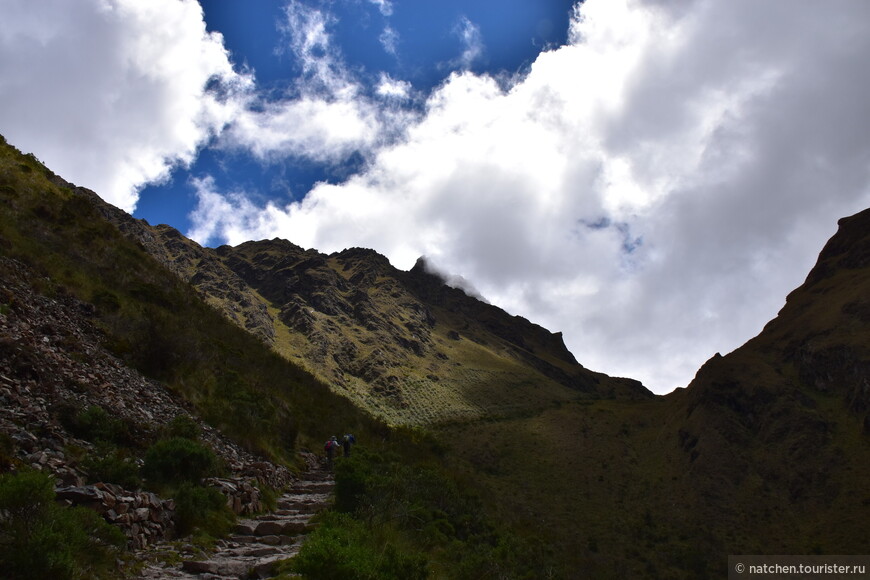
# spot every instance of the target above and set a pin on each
(146, 518)
(192, 263)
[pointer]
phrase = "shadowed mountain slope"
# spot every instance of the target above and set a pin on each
(783, 422)
(766, 452)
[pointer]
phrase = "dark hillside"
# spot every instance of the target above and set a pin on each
(767, 451)
(154, 322)
(789, 410)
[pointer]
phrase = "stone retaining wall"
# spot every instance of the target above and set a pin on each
(144, 517)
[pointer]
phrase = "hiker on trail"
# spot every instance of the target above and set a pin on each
(330, 448)
(347, 442)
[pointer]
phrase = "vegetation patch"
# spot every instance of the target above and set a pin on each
(40, 539)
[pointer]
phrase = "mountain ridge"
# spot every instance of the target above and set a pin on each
(388, 339)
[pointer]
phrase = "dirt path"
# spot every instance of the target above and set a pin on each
(256, 544)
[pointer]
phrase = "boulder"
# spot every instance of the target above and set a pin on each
(269, 529)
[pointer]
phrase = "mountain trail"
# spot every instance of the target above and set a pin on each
(256, 545)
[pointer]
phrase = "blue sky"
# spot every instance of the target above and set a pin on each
(419, 42)
(649, 177)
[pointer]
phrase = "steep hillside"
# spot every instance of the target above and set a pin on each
(117, 374)
(153, 322)
(767, 451)
(403, 345)
(783, 422)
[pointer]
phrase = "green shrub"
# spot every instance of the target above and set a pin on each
(388, 495)
(106, 301)
(268, 497)
(203, 508)
(94, 424)
(344, 549)
(183, 426)
(354, 476)
(112, 465)
(178, 460)
(39, 539)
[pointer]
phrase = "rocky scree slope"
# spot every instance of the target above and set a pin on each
(53, 365)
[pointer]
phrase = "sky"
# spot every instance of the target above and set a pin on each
(649, 177)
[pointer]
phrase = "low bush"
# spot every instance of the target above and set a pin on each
(112, 465)
(202, 508)
(7, 452)
(94, 424)
(183, 426)
(178, 460)
(344, 549)
(40, 539)
(388, 495)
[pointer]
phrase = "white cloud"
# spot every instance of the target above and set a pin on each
(385, 6)
(231, 215)
(389, 39)
(111, 93)
(319, 129)
(653, 189)
(390, 88)
(306, 31)
(471, 40)
(324, 116)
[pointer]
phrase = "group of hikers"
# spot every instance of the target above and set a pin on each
(333, 444)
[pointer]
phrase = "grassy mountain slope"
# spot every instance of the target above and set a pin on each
(767, 451)
(403, 345)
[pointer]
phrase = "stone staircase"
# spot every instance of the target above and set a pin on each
(257, 544)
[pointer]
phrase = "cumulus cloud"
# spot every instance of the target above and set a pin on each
(653, 189)
(324, 116)
(113, 94)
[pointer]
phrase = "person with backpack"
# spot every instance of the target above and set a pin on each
(349, 440)
(330, 448)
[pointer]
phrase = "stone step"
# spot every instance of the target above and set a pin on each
(314, 485)
(295, 517)
(299, 502)
(258, 543)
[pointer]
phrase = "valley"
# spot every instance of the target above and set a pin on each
(486, 450)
